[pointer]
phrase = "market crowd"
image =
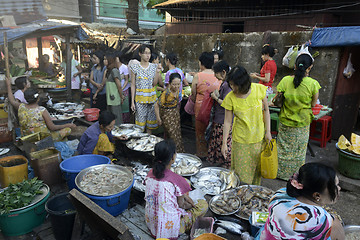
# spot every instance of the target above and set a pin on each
(232, 124)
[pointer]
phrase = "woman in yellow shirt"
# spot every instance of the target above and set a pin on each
(248, 104)
(301, 93)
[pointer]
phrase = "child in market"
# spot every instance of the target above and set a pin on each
(169, 211)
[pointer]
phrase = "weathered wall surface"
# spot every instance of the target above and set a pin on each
(245, 49)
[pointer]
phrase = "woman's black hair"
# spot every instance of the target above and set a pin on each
(220, 54)
(172, 57)
(303, 62)
(238, 76)
(31, 95)
(173, 76)
(315, 177)
(20, 82)
(221, 66)
(143, 47)
(164, 152)
(154, 56)
(100, 54)
(268, 50)
(207, 59)
(110, 57)
(106, 117)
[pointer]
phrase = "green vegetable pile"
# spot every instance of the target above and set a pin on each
(15, 70)
(19, 195)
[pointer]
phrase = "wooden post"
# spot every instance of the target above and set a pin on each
(78, 53)
(68, 68)
(6, 50)
(39, 46)
(25, 52)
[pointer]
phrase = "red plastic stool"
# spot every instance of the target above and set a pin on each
(325, 133)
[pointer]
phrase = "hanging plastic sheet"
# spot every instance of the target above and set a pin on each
(336, 36)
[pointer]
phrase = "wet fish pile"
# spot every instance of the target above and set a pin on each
(144, 144)
(226, 203)
(213, 180)
(253, 198)
(140, 172)
(104, 182)
(186, 164)
(129, 130)
(68, 107)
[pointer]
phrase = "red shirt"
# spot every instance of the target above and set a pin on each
(269, 67)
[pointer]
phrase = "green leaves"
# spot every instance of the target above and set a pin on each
(19, 195)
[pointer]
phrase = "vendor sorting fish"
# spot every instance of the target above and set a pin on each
(232, 128)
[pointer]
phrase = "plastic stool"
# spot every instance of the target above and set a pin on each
(274, 118)
(325, 133)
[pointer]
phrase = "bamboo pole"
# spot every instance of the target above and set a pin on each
(6, 50)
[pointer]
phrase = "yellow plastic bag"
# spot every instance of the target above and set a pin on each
(269, 160)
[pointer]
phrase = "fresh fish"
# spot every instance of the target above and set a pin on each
(230, 226)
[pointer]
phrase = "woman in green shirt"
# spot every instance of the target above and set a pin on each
(301, 93)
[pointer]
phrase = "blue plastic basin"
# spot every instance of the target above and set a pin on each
(72, 166)
(114, 204)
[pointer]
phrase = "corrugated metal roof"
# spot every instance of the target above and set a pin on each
(24, 11)
(41, 29)
(179, 2)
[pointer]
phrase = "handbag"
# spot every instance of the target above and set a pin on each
(269, 160)
(189, 106)
(279, 99)
(205, 109)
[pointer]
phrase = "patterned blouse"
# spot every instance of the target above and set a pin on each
(292, 219)
(144, 77)
(162, 212)
(31, 120)
(168, 100)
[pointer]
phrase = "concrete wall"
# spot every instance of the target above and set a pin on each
(245, 49)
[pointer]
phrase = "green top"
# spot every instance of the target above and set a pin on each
(248, 126)
(296, 110)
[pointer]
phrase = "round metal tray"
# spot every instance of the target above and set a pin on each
(217, 170)
(110, 167)
(241, 214)
(352, 228)
(216, 197)
(184, 156)
(128, 143)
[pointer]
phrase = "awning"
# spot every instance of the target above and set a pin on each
(336, 36)
(42, 29)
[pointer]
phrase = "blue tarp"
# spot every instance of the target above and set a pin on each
(336, 36)
(23, 31)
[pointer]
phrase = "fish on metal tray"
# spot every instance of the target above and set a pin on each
(230, 226)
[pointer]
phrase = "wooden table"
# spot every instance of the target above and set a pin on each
(323, 112)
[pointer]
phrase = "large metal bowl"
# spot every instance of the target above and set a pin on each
(109, 167)
(216, 197)
(352, 228)
(180, 156)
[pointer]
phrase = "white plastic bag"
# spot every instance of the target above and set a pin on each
(290, 57)
(305, 50)
(197, 194)
(349, 69)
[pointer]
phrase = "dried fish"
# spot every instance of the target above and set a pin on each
(104, 182)
(253, 198)
(144, 144)
(186, 164)
(140, 172)
(211, 179)
(225, 203)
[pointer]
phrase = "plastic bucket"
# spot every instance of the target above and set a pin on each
(114, 204)
(349, 165)
(19, 222)
(91, 114)
(13, 169)
(62, 216)
(72, 166)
